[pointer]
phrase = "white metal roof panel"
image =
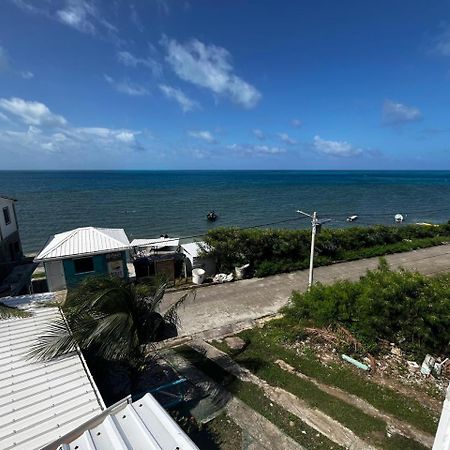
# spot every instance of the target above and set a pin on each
(156, 243)
(84, 241)
(141, 425)
(195, 248)
(40, 401)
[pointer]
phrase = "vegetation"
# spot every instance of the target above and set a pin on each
(220, 433)
(8, 312)
(254, 397)
(406, 308)
(110, 319)
(264, 346)
(271, 251)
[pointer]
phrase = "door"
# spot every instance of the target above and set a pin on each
(56, 279)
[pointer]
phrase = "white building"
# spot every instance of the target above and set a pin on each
(40, 401)
(442, 439)
(71, 256)
(143, 424)
(10, 246)
(196, 259)
(56, 404)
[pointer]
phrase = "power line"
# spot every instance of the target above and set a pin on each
(238, 228)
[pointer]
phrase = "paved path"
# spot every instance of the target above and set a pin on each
(227, 303)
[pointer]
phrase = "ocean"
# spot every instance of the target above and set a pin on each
(149, 203)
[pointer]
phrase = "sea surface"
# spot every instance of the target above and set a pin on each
(148, 203)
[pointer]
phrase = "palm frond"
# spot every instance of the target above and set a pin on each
(57, 340)
(8, 312)
(171, 315)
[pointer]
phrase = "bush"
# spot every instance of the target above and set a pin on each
(402, 307)
(275, 251)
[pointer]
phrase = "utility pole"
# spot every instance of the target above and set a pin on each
(315, 226)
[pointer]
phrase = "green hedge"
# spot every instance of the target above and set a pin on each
(271, 251)
(404, 307)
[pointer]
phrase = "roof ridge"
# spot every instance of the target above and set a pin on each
(110, 237)
(71, 234)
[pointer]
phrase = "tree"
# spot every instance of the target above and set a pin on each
(110, 319)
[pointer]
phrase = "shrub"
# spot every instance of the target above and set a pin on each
(402, 307)
(271, 251)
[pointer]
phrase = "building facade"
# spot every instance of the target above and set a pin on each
(10, 245)
(74, 255)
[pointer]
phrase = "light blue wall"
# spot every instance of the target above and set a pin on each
(100, 268)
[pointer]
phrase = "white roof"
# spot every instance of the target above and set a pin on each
(157, 243)
(195, 248)
(84, 241)
(143, 424)
(40, 401)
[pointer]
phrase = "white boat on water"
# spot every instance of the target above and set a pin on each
(352, 218)
(399, 218)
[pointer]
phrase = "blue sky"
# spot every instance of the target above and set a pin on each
(174, 84)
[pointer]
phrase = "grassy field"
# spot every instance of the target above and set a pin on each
(254, 397)
(265, 345)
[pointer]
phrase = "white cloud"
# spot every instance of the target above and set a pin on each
(259, 134)
(204, 135)
(127, 87)
(258, 150)
(180, 97)
(296, 123)
(6, 65)
(78, 14)
(104, 134)
(82, 15)
(335, 148)
(36, 128)
(129, 60)
(27, 75)
(441, 43)
(286, 139)
(210, 67)
(395, 113)
(31, 113)
(134, 16)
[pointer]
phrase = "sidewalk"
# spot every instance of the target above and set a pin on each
(223, 304)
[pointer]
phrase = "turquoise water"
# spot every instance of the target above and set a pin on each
(148, 203)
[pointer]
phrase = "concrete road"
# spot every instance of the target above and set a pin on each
(223, 304)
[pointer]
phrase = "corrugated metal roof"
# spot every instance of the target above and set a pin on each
(195, 248)
(156, 243)
(143, 424)
(39, 401)
(84, 241)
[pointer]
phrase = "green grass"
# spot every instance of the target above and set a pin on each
(264, 344)
(254, 397)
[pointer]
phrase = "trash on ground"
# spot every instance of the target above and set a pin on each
(356, 363)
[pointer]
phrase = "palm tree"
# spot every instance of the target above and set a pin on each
(110, 319)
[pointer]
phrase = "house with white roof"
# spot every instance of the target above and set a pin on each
(73, 255)
(56, 404)
(40, 401)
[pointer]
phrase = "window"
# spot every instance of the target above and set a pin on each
(84, 265)
(6, 215)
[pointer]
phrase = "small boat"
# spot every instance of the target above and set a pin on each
(211, 216)
(399, 218)
(352, 218)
